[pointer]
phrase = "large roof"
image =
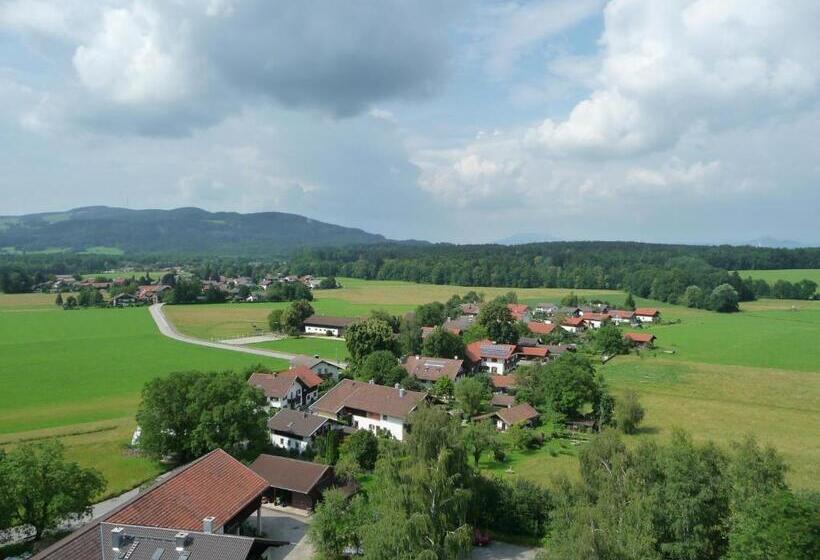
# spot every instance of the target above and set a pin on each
(215, 485)
(274, 386)
(368, 397)
(289, 474)
(517, 414)
(328, 321)
(294, 422)
(431, 369)
(480, 349)
(309, 377)
(641, 338)
(646, 311)
(540, 328)
(144, 543)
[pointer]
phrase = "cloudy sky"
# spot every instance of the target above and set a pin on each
(674, 120)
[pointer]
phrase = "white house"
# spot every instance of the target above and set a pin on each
(595, 320)
(281, 391)
(621, 316)
(295, 430)
(505, 417)
(323, 368)
(326, 326)
(573, 324)
(369, 406)
(647, 315)
(494, 358)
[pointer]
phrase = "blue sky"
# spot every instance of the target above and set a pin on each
(674, 121)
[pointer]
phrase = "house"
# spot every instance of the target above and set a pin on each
(573, 324)
(370, 406)
(569, 311)
(519, 415)
(558, 350)
(488, 356)
(310, 380)
(540, 329)
(532, 354)
(195, 508)
(429, 370)
(459, 324)
(641, 340)
(123, 300)
(546, 309)
(152, 293)
(326, 326)
(647, 315)
(519, 311)
(471, 309)
(323, 368)
(294, 483)
(502, 383)
(501, 400)
(594, 320)
(621, 316)
(594, 308)
(281, 391)
(296, 430)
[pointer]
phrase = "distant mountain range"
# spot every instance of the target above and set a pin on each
(103, 229)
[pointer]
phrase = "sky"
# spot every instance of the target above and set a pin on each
(691, 121)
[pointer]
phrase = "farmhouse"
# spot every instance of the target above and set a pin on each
(294, 483)
(123, 300)
(204, 501)
(532, 354)
(573, 324)
(326, 326)
(546, 308)
(642, 340)
(519, 311)
(488, 356)
(295, 430)
(647, 315)
(595, 320)
(319, 366)
(309, 380)
(281, 391)
(152, 293)
(370, 406)
(519, 415)
(429, 370)
(620, 316)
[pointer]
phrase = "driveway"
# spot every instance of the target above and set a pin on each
(282, 526)
(503, 551)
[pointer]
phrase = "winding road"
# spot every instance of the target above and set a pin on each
(166, 328)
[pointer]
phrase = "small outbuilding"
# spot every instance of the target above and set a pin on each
(294, 483)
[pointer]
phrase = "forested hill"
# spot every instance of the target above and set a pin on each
(179, 231)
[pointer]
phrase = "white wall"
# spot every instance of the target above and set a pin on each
(321, 330)
(389, 423)
(295, 392)
(288, 443)
(645, 319)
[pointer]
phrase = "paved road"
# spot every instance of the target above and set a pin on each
(166, 328)
(503, 551)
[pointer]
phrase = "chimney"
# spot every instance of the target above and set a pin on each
(181, 539)
(117, 538)
(401, 392)
(208, 524)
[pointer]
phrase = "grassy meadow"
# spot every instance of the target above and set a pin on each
(788, 274)
(69, 373)
(328, 348)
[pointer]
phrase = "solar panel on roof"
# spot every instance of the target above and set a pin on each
(494, 351)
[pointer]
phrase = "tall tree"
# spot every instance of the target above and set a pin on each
(628, 412)
(368, 336)
(431, 314)
(337, 524)
(470, 394)
(443, 344)
(497, 319)
(293, 317)
(381, 367)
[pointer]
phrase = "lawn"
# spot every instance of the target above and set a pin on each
(67, 369)
(788, 274)
(328, 348)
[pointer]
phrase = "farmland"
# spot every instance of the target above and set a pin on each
(788, 274)
(77, 372)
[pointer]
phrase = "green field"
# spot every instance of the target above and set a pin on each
(328, 348)
(788, 274)
(65, 372)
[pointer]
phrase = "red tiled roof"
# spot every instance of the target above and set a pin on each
(540, 328)
(517, 309)
(595, 317)
(275, 386)
(502, 381)
(368, 397)
(535, 351)
(647, 311)
(517, 414)
(641, 338)
(487, 349)
(621, 313)
(310, 378)
(216, 485)
(573, 321)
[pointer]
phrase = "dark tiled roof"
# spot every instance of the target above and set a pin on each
(502, 381)
(142, 543)
(290, 474)
(431, 369)
(517, 414)
(368, 397)
(294, 422)
(275, 386)
(502, 400)
(327, 321)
